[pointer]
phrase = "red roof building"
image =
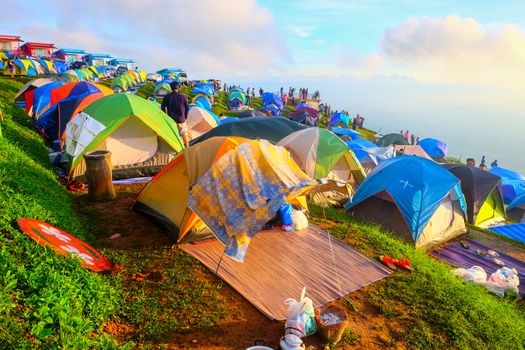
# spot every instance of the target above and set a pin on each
(10, 43)
(37, 49)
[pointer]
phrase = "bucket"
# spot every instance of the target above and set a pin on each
(331, 331)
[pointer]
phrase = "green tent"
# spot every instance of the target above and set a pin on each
(392, 139)
(120, 83)
(316, 150)
(141, 138)
(162, 89)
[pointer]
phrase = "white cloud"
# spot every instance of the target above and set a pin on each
(217, 38)
(345, 58)
(300, 31)
(458, 50)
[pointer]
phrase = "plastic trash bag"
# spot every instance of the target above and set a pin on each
(286, 212)
(504, 280)
(475, 274)
(300, 222)
(301, 317)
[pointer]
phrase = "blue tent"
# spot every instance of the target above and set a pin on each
(271, 98)
(516, 209)
(61, 67)
(303, 104)
(512, 182)
(273, 109)
(358, 145)
(348, 132)
(164, 81)
(1, 64)
(228, 120)
(339, 119)
(513, 231)
(202, 90)
(404, 194)
(53, 122)
(203, 102)
(518, 201)
(207, 86)
(42, 97)
(434, 148)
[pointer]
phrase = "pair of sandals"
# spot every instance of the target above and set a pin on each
(393, 264)
(72, 185)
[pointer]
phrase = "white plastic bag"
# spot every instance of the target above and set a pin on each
(300, 222)
(475, 274)
(301, 316)
(503, 280)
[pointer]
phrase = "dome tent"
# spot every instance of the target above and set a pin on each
(140, 136)
(483, 194)
(414, 198)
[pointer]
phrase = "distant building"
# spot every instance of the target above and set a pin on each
(69, 55)
(97, 59)
(10, 43)
(37, 49)
(124, 62)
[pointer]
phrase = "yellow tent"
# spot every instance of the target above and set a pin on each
(49, 67)
(165, 198)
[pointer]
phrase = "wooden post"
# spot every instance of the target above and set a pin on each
(99, 176)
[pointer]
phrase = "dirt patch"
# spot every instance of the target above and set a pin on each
(244, 325)
(116, 217)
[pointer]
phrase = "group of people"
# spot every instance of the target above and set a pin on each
(358, 122)
(482, 165)
(411, 139)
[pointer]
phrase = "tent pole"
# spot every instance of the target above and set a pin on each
(220, 260)
(219, 264)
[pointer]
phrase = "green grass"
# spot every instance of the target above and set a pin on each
(51, 302)
(439, 311)
(46, 301)
(175, 301)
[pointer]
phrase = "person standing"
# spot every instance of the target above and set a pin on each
(176, 106)
(253, 92)
(482, 161)
(261, 91)
(248, 91)
(281, 92)
(412, 139)
(407, 134)
(494, 164)
(11, 67)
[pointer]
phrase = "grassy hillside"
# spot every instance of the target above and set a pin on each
(432, 308)
(46, 301)
(51, 302)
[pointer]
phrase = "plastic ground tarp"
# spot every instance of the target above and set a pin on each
(281, 263)
(458, 256)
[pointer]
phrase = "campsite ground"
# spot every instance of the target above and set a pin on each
(146, 254)
(159, 297)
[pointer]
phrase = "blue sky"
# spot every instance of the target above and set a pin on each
(449, 69)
